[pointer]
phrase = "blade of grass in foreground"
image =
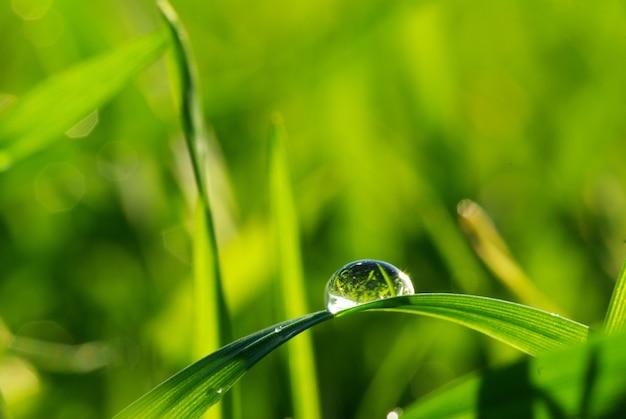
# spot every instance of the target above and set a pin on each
(528, 329)
(42, 115)
(583, 381)
(616, 314)
(300, 357)
(193, 390)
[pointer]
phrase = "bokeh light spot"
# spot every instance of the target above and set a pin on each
(46, 31)
(177, 242)
(31, 9)
(5, 161)
(18, 380)
(6, 101)
(84, 127)
(117, 161)
(59, 186)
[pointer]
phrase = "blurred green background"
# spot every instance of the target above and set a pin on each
(396, 111)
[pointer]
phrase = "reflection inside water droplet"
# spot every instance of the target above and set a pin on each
(363, 281)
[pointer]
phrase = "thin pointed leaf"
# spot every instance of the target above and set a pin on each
(582, 381)
(494, 252)
(616, 314)
(42, 115)
(193, 390)
(300, 356)
(527, 329)
(207, 267)
(209, 306)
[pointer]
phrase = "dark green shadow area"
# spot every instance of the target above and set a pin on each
(510, 391)
(586, 381)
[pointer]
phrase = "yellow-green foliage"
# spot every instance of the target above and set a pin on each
(396, 111)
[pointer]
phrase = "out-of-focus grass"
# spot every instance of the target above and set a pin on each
(396, 112)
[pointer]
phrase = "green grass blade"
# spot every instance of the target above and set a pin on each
(616, 314)
(528, 329)
(494, 252)
(582, 381)
(210, 315)
(190, 109)
(206, 255)
(206, 293)
(193, 390)
(300, 356)
(42, 115)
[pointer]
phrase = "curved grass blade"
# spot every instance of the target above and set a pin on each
(190, 392)
(34, 121)
(584, 381)
(193, 390)
(528, 329)
(616, 314)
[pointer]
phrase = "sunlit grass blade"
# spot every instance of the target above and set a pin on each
(193, 390)
(616, 313)
(583, 381)
(210, 314)
(300, 355)
(492, 249)
(42, 115)
(207, 295)
(206, 258)
(528, 329)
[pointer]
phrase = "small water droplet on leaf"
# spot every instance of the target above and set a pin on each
(363, 281)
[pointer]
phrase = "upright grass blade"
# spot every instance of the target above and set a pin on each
(37, 119)
(527, 329)
(584, 381)
(199, 386)
(300, 355)
(616, 314)
(208, 288)
(492, 249)
(210, 315)
(193, 390)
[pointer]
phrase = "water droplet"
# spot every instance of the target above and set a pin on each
(278, 329)
(395, 413)
(363, 281)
